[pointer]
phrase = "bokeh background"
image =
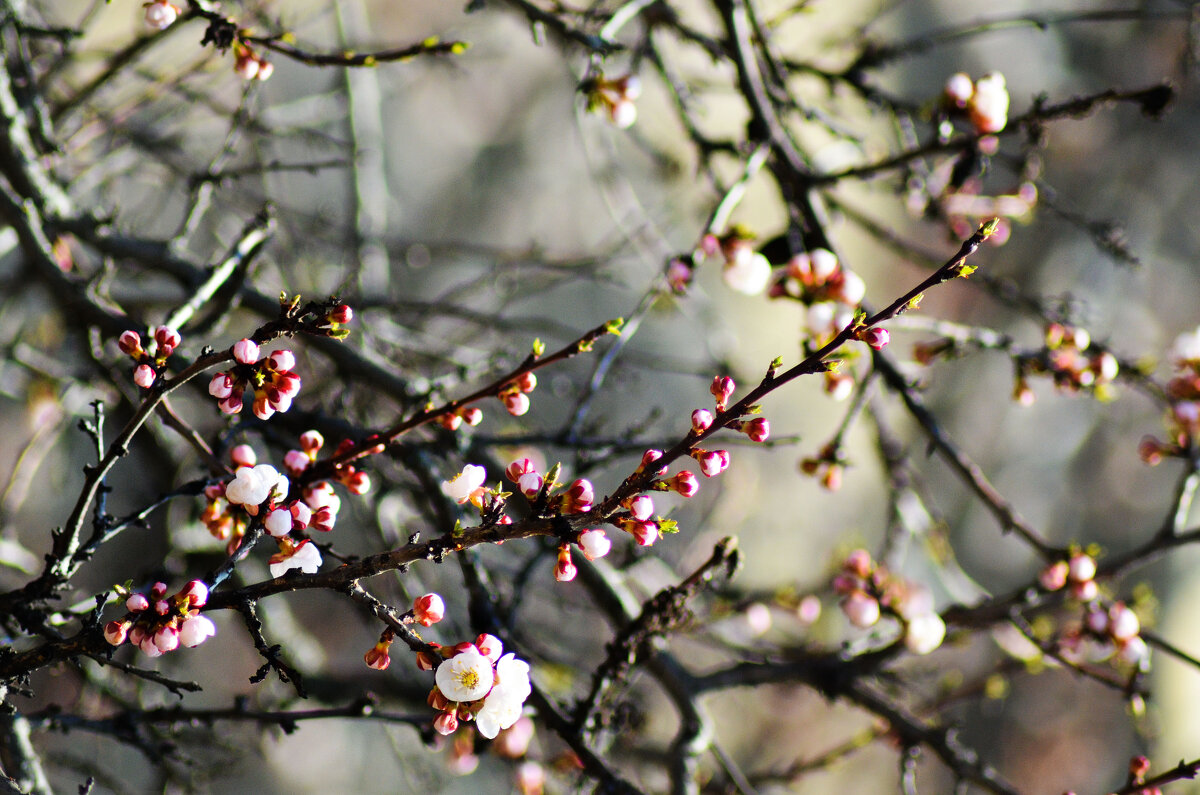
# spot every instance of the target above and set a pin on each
(469, 204)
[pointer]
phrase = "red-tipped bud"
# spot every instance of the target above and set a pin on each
(245, 351)
(722, 389)
(642, 507)
(144, 375)
(515, 403)
(522, 466)
(341, 314)
(115, 632)
(378, 657)
(685, 484)
(526, 382)
(877, 338)
(428, 609)
(564, 569)
(130, 342)
(702, 420)
(472, 416)
(167, 340)
(648, 458)
(758, 429)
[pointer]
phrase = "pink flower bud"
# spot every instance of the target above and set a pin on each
(323, 519)
(645, 533)
(262, 407)
(564, 569)
(311, 442)
(301, 514)
(1054, 576)
(278, 522)
(472, 416)
(167, 340)
(642, 507)
(594, 543)
(359, 483)
(160, 14)
(702, 420)
(158, 590)
(581, 493)
(450, 422)
(446, 723)
(530, 484)
(722, 389)
(648, 458)
(489, 646)
(522, 466)
(758, 429)
(685, 484)
(1085, 591)
(1081, 567)
(245, 351)
(712, 462)
(1123, 623)
(231, 404)
(378, 657)
(428, 609)
(862, 609)
(220, 386)
(283, 360)
(167, 639)
(516, 403)
(130, 342)
(243, 455)
(196, 593)
(137, 603)
(877, 338)
(859, 564)
(341, 314)
(115, 632)
(144, 376)
(424, 661)
(295, 462)
(526, 382)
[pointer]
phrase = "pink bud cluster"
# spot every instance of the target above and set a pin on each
(1078, 571)
(984, 102)
(615, 97)
(827, 465)
(149, 365)
(249, 65)
(868, 589)
(452, 421)
(477, 682)
(1070, 359)
(157, 624)
(515, 394)
(830, 291)
(272, 380)
(1183, 414)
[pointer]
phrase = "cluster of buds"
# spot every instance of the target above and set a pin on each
(1183, 392)
(453, 420)
(746, 270)
(984, 102)
(272, 380)
(614, 97)
(157, 624)
(476, 681)
(1110, 633)
(515, 394)
(161, 14)
(523, 472)
(166, 340)
(249, 65)
(830, 291)
(1078, 571)
(1070, 358)
(828, 466)
(295, 462)
(683, 483)
(427, 610)
(868, 589)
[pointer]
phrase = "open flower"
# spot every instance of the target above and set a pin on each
(502, 707)
(467, 676)
(466, 485)
(304, 556)
(251, 486)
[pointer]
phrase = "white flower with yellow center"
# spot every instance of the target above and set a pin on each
(467, 676)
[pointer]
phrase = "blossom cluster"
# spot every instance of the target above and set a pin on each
(1183, 394)
(1070, 359)
(515, 395)
(477, 681)
(614, 97)
(149, 365)
(1107, 630)
(427, 610)
(984, 102)
(868, 589)
(260, 490)
(272, 380)
(157, 624)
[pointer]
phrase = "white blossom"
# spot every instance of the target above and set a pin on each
(748, 274)
(467, 676)
(251, 486)
(463, 485)
(196, 630)
(305, 557)
(924, 633)
(502, 707)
